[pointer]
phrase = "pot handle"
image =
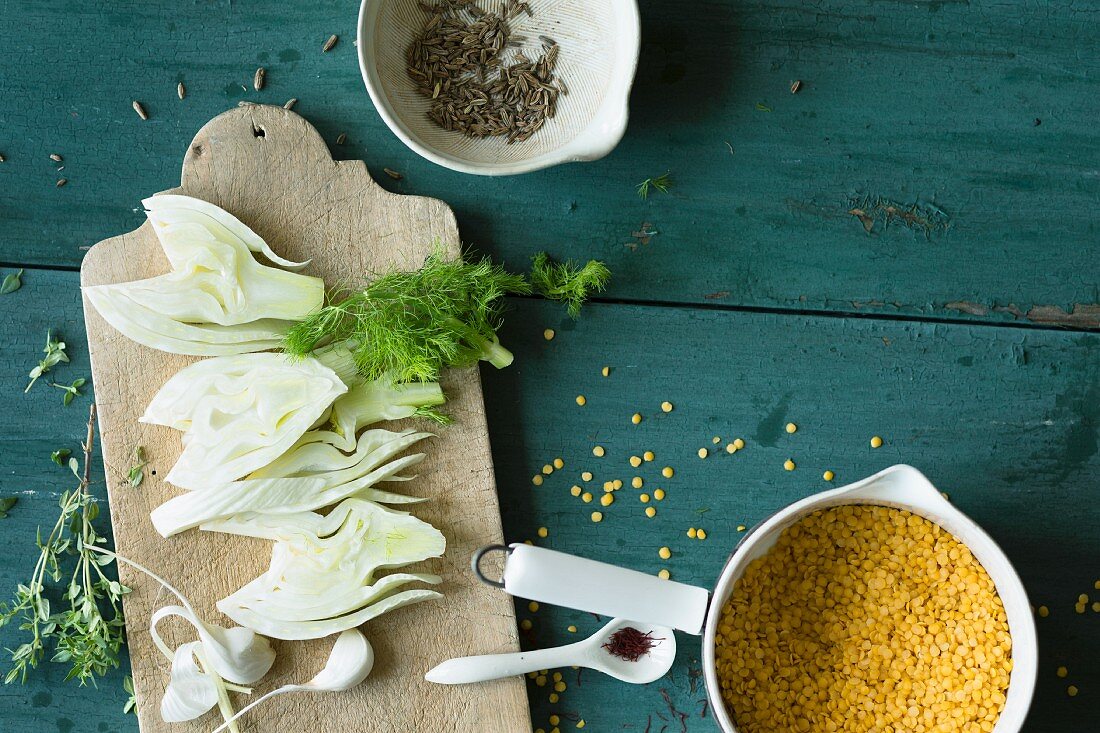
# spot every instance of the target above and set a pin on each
(574, 582)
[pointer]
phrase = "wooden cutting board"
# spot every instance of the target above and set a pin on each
(271, 169)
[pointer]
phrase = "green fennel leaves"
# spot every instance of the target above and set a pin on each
(6, 504)
(568, 281)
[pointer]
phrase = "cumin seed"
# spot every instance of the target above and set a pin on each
(795, 86)
(61, 182)
(330, 43)
(393, 174)
(181, 90)
(140, 110)
(341, 138)
(290, 103)
(56, 158)
(259, 79)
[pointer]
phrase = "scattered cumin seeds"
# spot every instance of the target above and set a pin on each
(1, 158)
(393, 174)
(181, 90)
(341, 138)
(61, 182)
(140, 110)
(330, 43)
(795, 86)
(259, 79)
(245, 103)
(290, 103)
(56, 158)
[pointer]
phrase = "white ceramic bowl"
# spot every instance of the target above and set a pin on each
(599, 42)
(902, 487)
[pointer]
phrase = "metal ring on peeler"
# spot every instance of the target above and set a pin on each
(475, 563)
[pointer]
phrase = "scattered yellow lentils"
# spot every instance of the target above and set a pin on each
(533, 606)
(864, 618)
(599, 451)
(876, 442)
(581, 400)
(537, 479)
(1044, 611)
(703, 452)
(636, 418)
(548, 469)
(575, 490)
(667, 472)
(692, 532)
(738, 444)
(597, 516)
(731, 448)
(586, 475)
(650, 512)
(1072, 690)
(635, 461)
(571, 629)
(828, 475)
(648, 456)
(606, 371)
(788, 464)
(637, 482)
(663, 574)
(526, 624)
(548, 334)
(666, 406)
(1061, 672)
(741, 528)
(559, 463)
(586, 497)
(701, 534)
(659, 494)
(664, 553)
(792, 428)
(543, 532)
(607, 499)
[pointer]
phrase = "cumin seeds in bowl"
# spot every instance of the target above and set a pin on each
(480, 86)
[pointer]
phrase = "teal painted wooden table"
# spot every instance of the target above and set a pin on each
(749, 296)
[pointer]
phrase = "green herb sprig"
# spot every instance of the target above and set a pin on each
(60, 456)
(568, 281)
(6, 504)
(72, 391)
(89, 633)
(137, 469)
(55, 354)
(661, 183)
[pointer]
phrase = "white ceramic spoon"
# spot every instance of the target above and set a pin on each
(588, 653)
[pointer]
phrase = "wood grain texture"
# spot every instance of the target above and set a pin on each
(986, 110)
(271, 169)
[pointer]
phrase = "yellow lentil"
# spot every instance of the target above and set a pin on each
(606, 371)
(548, 469)
(528, 542)
(648, 456)
(532, 675)
(703, 452)
(597, 516)
(608, 485)
(598, 451)
(635, 461)
(607, 499)
(828, 475)
(1096, 585)
(637, 482)
(1061, 672)
(586, 475)
(586, 497)
(741, 528)
(1079, 607)
(701, 534)
(1083, 598)
(571, 629)
(864, 619)
(543, 531)
(650, 512)
(553, 697)
(548, 334)
(580, 723)
(541, 680)
(663, 574)
(533, 606)
(537, 479)
(539, 730)
(659, 494)
(555, 729)
(692, 532)
(788, 464)
(554, 720)
(791, 427)
(557, 676)
(644, 498)
(667, 472)
(876, 442)
(559, 687)
(731, 448)
(1096, 606)
(666, 406)
(738, 444)
(559, 463)
(1044, 611)
(664, 553)
(716, 440)
(636, 418)
(575, 490)
(525, 624)
(581, 400)
(1072, 690)
(617, 484)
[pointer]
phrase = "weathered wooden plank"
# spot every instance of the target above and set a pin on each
(984, 111)
(1003, 419)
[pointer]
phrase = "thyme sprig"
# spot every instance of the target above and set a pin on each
(89, 633)
(72, 390)
(55, 354)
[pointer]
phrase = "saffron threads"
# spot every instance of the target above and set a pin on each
(630, 644)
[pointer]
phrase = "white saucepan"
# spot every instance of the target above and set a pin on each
(586, 585)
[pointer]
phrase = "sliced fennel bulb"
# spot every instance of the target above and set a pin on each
(217, 299)
(320, 477)
(323, 582)
(239, 413)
